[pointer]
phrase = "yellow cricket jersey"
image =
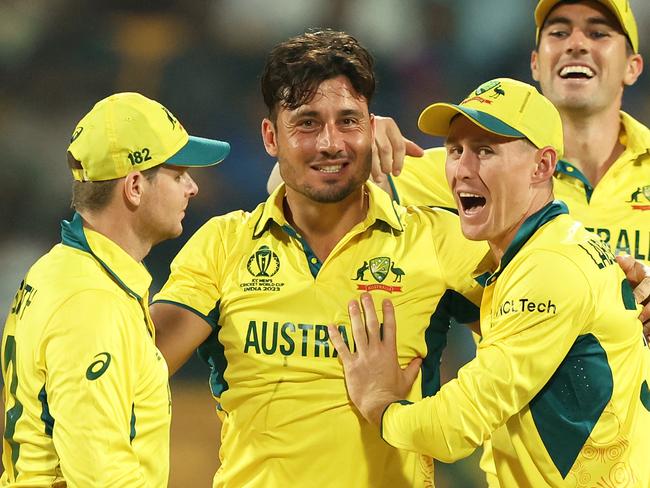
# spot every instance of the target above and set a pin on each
(287, 420)
(560, 377)
(618, 208)
(86, 392)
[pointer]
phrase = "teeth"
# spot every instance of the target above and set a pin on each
(465, 194)
(330, 169)
(583, 70)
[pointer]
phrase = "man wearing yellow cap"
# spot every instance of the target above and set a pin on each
(561, 375)
(586, 54)
(86, 392)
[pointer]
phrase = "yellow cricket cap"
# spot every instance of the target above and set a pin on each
(130, 132)
(620, 8)
(502, 106)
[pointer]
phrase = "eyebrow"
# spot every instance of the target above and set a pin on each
(554, 20)
(316, 113)
(451, 141)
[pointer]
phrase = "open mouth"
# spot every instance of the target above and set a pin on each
(471, 202)
(575, 72)
(329, 169)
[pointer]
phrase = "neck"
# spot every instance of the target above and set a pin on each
(323, 225)
(118, 228)
(592, 142)
(502, 242)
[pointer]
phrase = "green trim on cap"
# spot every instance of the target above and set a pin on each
(200, 152)
(490, 122)
(436, 120)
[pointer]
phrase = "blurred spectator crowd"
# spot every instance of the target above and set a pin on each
(202, 59)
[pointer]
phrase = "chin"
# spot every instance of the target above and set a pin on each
(333, 194)
(472, 233)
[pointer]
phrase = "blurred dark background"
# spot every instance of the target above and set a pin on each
(202, 60)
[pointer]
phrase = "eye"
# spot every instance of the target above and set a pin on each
(454, 152)
(181, 176)
(598, 34)
(307, 123)
(484, 152)
(558, 33)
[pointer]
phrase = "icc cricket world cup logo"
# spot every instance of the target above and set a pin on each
(264, 263)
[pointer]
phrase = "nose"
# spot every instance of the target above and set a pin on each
(577, 42)
(192, 187)
(330, 140)
(465, 165)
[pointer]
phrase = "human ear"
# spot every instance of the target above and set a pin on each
(546, 160)
(269, 137)
(133, 188)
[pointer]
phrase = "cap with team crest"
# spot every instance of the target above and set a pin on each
(502, 106)
(129, 132)
(620, 8)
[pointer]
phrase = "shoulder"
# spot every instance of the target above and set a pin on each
(432, 215)
(227, 226)
(564, 253)
(67, 272)
(93, 312)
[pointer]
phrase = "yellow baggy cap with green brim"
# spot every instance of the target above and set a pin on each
(128, 132)
(502, 106)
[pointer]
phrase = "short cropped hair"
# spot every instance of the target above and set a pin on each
(295, 68)
(96, 195)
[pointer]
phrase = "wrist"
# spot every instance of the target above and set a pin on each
(375, 412)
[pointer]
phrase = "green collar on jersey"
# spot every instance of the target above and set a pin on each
(566, 168)
(526, 231)
(73, 235)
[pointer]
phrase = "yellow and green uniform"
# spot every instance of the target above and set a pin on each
(86, 391)
(617, 209)
(560, 377)
(287, 419)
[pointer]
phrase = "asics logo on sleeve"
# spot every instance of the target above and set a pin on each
(97, 368)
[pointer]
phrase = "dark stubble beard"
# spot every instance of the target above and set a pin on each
(336, 193)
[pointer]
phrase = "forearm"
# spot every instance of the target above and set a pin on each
(444, 431)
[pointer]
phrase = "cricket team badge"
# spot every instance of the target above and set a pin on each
(640, 198)
(379, 269)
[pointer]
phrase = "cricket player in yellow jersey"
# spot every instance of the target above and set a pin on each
(587, 52)
(256, 290)
(86, 394)
(561, 374)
